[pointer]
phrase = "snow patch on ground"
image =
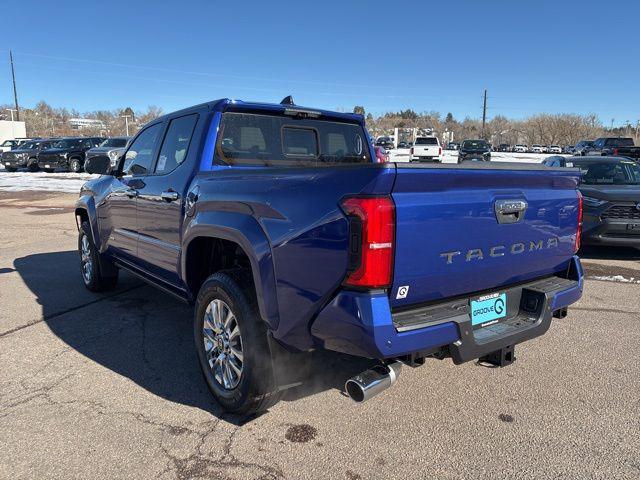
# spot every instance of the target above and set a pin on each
(614, 278)
(41, 181)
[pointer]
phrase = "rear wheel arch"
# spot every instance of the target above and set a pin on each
(206, 255)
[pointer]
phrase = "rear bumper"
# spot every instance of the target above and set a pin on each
(361, 323)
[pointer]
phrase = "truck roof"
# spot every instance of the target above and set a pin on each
(226, 104)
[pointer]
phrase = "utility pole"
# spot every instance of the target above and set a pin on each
(15, 92)
(126, 122)
(484, 112)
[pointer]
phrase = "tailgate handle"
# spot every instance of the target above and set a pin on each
(510, 211)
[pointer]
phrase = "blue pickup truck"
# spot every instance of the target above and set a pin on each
(277, 223)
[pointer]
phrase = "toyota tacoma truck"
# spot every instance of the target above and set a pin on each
(278, 225)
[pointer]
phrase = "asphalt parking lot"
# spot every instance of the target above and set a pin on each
(107, 386)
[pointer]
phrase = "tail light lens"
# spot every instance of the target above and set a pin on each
(411, 151)
(371, 241)
(579, 232)
(439, 150)
(615, 151)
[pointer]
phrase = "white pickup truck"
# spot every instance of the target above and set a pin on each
(426, 149)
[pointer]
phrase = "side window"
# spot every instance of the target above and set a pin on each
(87, 144)
(176, 143)
(139, 157)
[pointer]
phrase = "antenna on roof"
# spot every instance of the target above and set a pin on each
(288, 100)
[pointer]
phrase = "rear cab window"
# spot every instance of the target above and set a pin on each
(426, 141)
(282, 140)
(619, 142)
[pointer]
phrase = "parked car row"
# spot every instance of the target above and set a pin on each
(608, 146)
(68, 153)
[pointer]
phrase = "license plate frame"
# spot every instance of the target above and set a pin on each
(635, 227)
(488, 309)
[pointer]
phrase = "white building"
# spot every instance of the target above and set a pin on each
(80, 123)
(10, 130)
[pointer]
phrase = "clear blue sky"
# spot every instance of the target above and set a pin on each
(532, 56)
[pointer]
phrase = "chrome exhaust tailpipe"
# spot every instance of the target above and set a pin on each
(371, 382)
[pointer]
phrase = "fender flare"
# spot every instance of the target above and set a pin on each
(244, 230)
(87, 203)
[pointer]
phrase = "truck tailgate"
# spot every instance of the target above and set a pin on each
(450, 242)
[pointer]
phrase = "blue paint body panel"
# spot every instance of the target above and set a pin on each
(289, 222)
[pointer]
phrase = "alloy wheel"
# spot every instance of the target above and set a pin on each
(223, 344)
(85, 260)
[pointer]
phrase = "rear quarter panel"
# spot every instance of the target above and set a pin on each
(299, 212)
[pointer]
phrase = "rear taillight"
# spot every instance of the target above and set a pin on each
(439, 151)
(371, 241)
(615, 151)
(579, 231)
(411, 151)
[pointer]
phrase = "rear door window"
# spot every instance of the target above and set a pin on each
(255, 139)
(176, 143)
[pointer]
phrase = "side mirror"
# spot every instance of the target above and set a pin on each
(100, 164)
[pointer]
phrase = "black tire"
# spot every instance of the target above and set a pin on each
(48, 170)
(32, 165)
(75, 165)
(256, 389)
(96, 280)
(11, 169)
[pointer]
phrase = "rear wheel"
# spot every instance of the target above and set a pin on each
(92, 275)
(10, 169)
(231, 341)
(48, 170)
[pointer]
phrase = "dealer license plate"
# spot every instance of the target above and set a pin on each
(488, 309)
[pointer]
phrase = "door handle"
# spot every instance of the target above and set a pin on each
(169, 196)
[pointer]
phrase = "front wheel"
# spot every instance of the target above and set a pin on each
(231, 341)
(32, 166)
(75, 165)
(10, 169)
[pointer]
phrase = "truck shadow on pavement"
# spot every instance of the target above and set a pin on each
(146, 335)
